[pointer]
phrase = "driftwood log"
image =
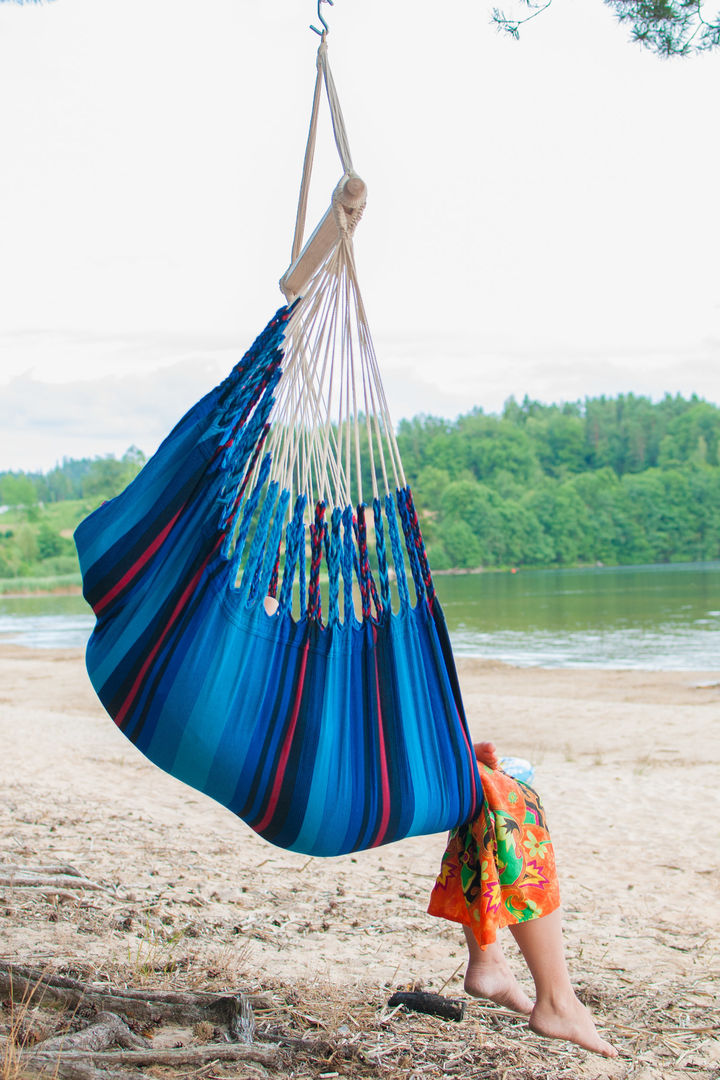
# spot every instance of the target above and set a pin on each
(23, 880)
(434, 1004)
(107, 1049)
(106, 1030)
(46, 878)
(39, 868)
(196, 1056)
(92, 1054)
(54, 1068)
(23, 985)
(54, 1055)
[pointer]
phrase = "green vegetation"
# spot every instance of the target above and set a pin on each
(620, 480)
(666, 27)
(41, 511)
(610, 480)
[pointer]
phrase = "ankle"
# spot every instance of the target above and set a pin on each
(557, 999)
(487, 961)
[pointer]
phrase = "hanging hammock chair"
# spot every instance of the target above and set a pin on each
(222, 648)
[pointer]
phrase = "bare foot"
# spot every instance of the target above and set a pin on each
(569, 1019)
(486, 753)
(489, 976)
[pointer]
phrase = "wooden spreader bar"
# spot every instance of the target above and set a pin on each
(351, 198)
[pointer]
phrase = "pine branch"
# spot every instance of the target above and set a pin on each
(669, 27)
(666, 27)
(512, 26)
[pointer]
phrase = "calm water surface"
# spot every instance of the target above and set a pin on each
(613, 617)
(45, 622)
(627, 617)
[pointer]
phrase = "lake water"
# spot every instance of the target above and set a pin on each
(665, 617)
(45, 622)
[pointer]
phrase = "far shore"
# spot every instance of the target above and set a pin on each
(61, 590)
(12, 589)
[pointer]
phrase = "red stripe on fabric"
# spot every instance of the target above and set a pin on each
(385, 820)
(282, 764)
(138, 564)
(122, 713)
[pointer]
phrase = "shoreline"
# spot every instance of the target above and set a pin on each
(471, 665)
(465, 663)
(453, 571)
(61, 590)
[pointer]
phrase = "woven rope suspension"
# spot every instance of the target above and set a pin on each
(222, 648)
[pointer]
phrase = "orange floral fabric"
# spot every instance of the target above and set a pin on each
(498, 869)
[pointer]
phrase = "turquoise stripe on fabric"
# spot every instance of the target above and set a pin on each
(326, 739)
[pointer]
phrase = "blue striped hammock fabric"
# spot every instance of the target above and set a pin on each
(326, 735)
(255, 635)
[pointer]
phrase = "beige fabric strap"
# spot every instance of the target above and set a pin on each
(324, 74)
(338, 122)
(330, 409)
(307, 169)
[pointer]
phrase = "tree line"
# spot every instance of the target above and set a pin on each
(604, 480)
(40, 511)
(96, 478)
(610, 480)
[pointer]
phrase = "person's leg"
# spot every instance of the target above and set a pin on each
(557, 1014)
(488, 975)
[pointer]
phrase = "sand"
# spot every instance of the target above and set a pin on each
(626, 761)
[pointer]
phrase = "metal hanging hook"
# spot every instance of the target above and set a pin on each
(325, 28)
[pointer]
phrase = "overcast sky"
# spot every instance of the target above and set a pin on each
(543, 216)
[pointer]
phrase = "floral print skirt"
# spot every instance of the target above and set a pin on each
(499, 869)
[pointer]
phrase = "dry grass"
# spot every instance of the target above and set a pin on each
(13, 1042)
(666, 1030)
(22, 1024)
(663, 1032)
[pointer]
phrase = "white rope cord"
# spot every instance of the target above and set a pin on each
(338, 121)
(327, 346)
(379, 404)
(330, 392)
(290, 392)
(328, 437)
(381, 409)
(307, 166)
(369, 411)
(341, 141)
(313, 344)
(323, 356)
(308, 343)
(330, 398)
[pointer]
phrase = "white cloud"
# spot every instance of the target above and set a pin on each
(43, 420)
(542, 216)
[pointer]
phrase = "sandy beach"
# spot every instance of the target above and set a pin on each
(626, 762)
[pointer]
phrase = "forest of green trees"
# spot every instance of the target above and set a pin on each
(606, 480)
(611, 480)
(41, 510)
